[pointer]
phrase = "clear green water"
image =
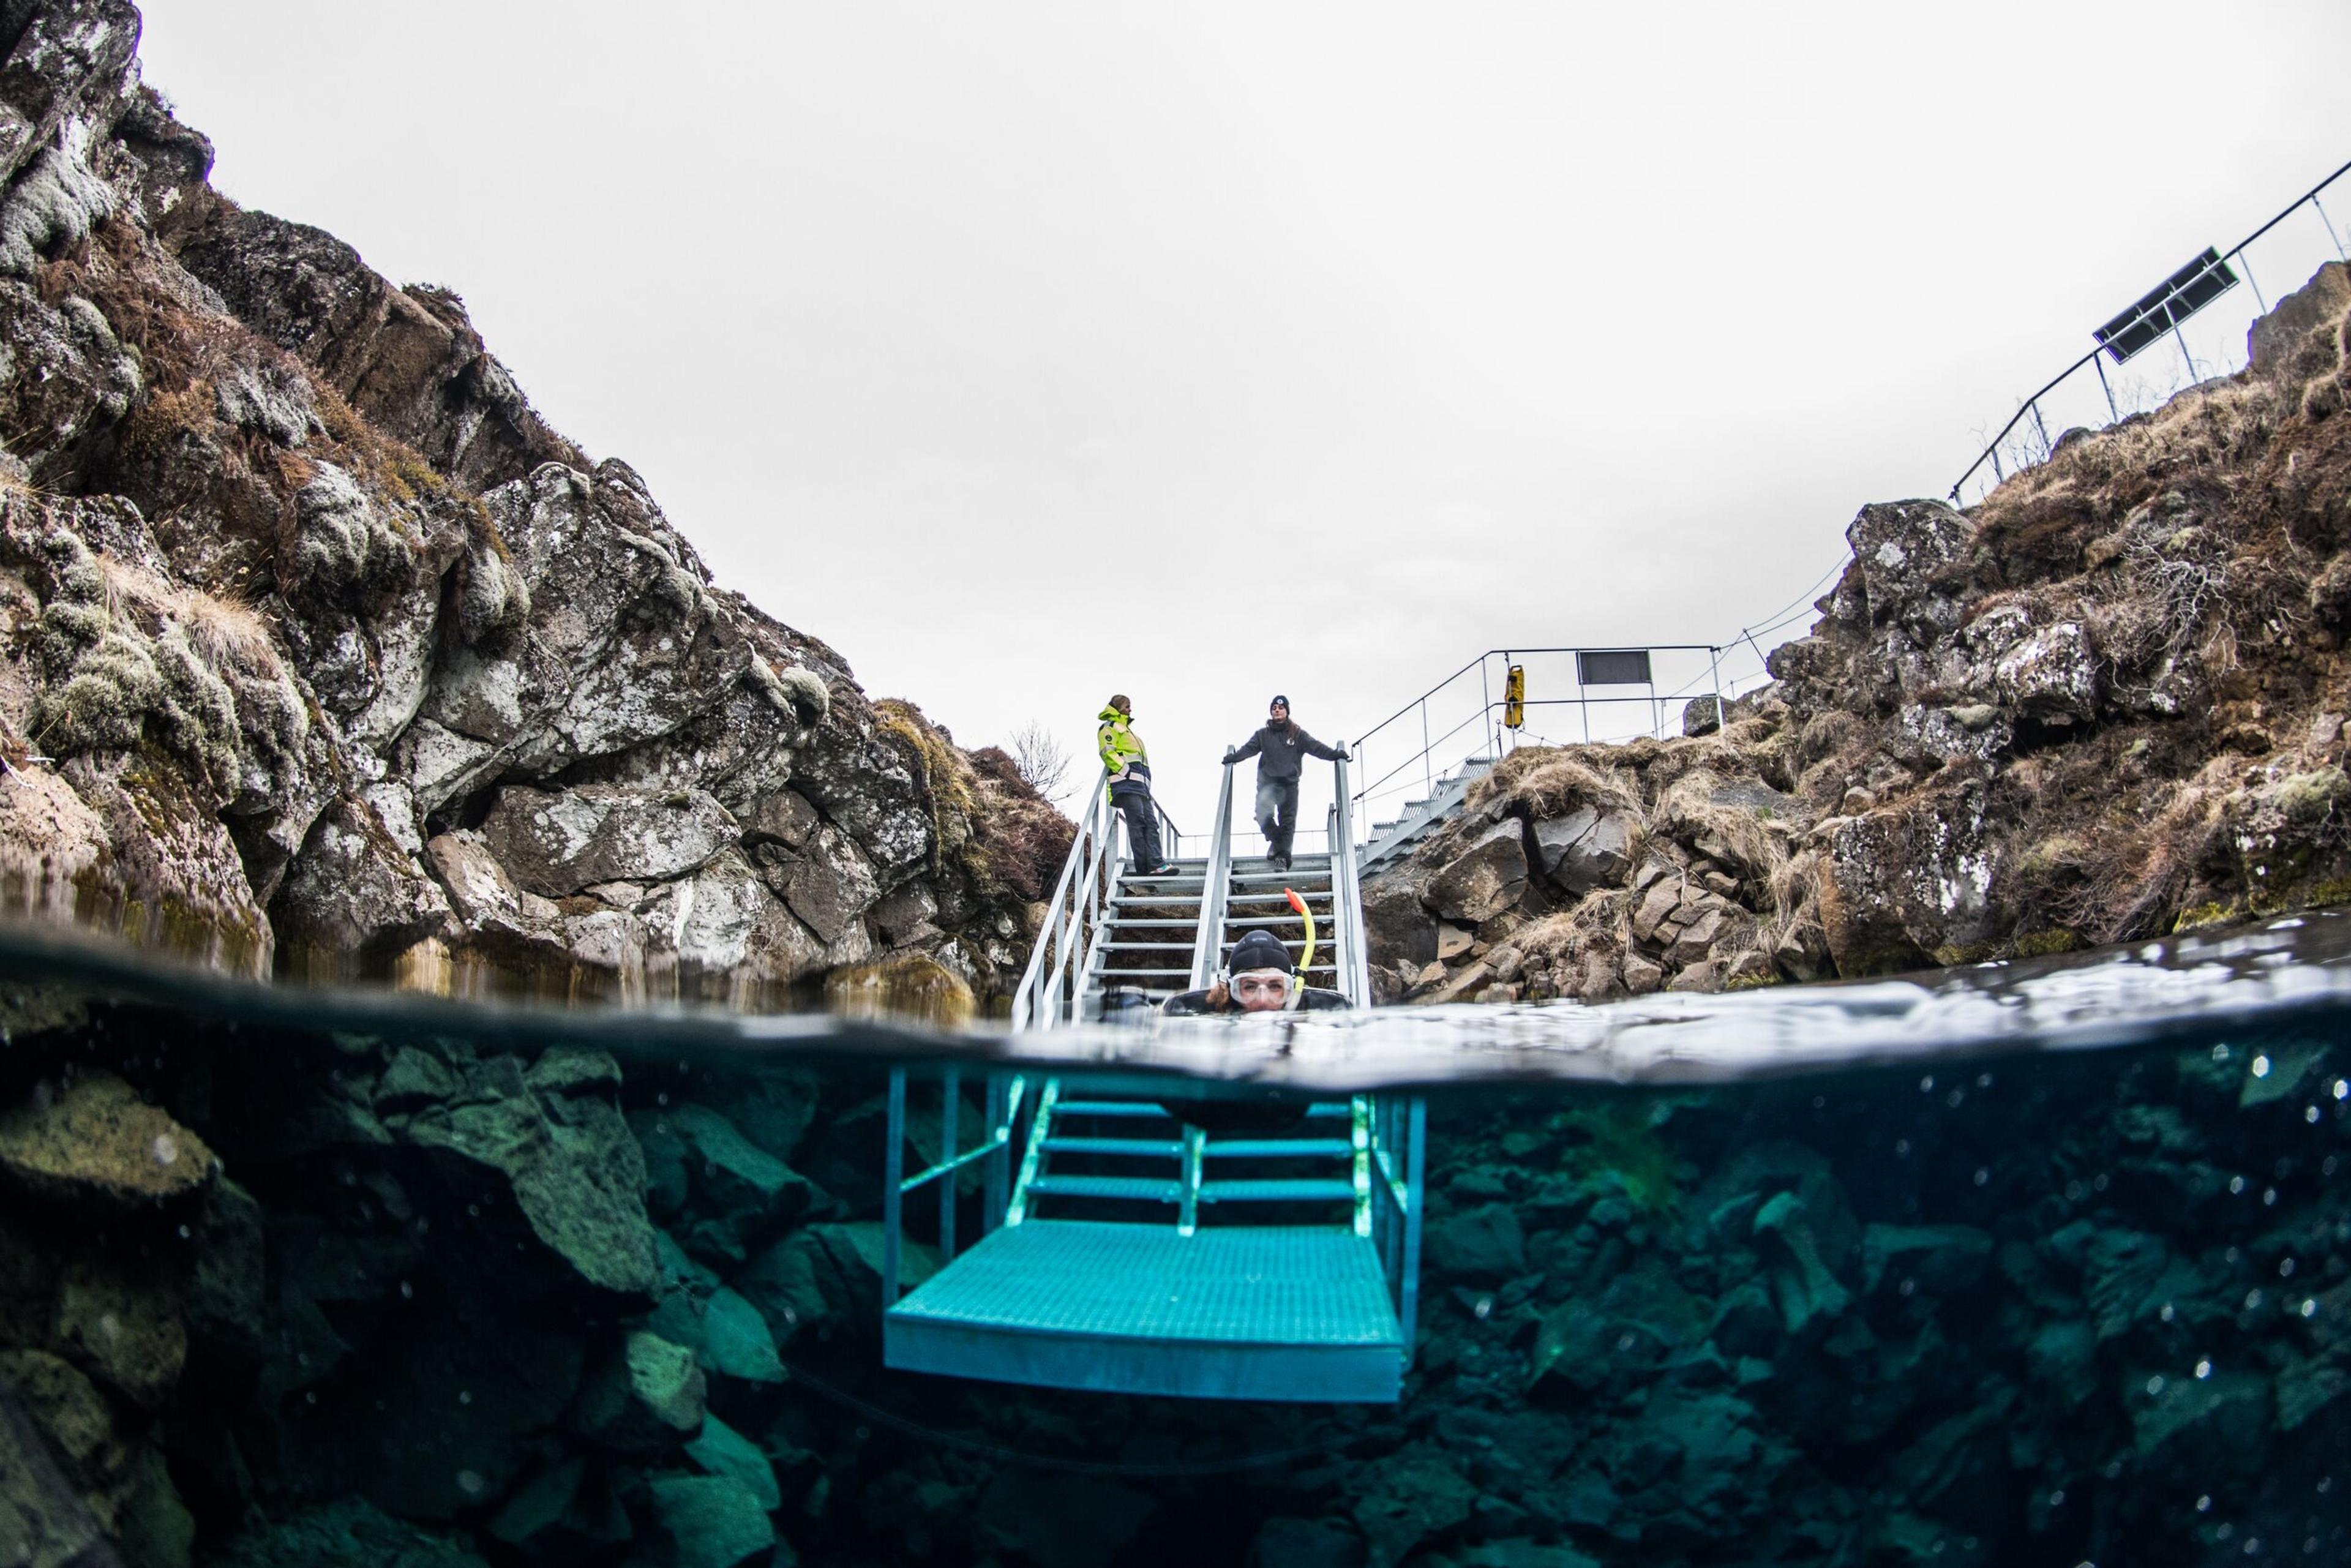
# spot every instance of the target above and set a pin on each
(1967, 1299)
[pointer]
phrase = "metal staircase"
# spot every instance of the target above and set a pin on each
(1392, 841)
(1158, 1235)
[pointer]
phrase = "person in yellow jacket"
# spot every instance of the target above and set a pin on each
(1123, 753)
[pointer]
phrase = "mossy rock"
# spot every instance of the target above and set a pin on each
(95, 1145)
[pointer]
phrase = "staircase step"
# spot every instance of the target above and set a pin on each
(1138, 1148)
(1278, 1148)
(1138, 1189)
(1130, 1109)
(1297, 1189)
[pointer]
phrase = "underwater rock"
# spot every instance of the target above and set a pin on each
(1940, 1260)
(1306, 1543)
(350, 1532)
(94, 1145)
(1801, 1282)
(721, 1450)
(712, 1521)
(576, 1172)
(644, 1397)
(1063, 1522)
(1482, 1243)
(1407, 1498)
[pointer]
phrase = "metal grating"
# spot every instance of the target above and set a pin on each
(1269, 1286)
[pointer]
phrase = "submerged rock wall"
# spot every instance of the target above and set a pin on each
(2107, 703)
(320, 650)
(269, 1300)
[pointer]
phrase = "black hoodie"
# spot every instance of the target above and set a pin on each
(1276, 748)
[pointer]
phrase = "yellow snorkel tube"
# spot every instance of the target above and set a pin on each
(1297, 988)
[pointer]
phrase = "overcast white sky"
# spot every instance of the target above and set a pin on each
(1026, 352)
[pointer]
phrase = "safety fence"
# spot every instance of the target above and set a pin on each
(2188, 329)
(1508, 697)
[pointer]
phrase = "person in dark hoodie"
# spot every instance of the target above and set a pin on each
(1280, 749)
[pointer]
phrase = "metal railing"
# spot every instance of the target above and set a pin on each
(1216, 889)
(999, 1116)
(1396, 1146)
(1464, 716)
(2071, 401)
(1052, 985)
(1349, 940)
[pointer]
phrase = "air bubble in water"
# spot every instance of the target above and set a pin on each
(2154, 1384)
(2260, 1067)
(1927, 1084)
(2252, 1299)
(465, 1396)
(2310, 1307)
(407, 1291)
(1983, 1175)
(2204, 1504)
(469, 1483)
(2310, 1113)
(167, 1149)
(1484, 1309)
(2167, 1314)
(2236, 1184)
(2203, 1370)
(2285, 1269)
(2220, 1053)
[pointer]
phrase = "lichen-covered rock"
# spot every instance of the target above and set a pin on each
(306, 584)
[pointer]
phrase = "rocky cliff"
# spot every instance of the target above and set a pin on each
(2108, 701)
(320, 650)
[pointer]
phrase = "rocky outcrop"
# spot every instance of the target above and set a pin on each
(320, 650)
(2107, 703)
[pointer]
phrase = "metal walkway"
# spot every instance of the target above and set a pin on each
(1158, 1235)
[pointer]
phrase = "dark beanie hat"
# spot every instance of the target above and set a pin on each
(1279, 698)
(1261, 951)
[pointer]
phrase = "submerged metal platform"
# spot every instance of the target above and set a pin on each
(1279, 1312)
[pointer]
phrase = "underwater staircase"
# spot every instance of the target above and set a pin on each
(1159, 1236)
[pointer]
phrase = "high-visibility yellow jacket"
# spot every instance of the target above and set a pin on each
(1122, 751)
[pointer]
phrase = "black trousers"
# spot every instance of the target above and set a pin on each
(1276, 813)
(1142, 827)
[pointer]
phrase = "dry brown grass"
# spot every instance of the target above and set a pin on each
(227, 629)
(1738, 837)
(1550, 781)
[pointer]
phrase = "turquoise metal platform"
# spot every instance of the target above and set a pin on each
(1125, 1244)
(1245, 1312)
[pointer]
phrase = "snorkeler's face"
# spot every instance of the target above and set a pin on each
(1260, 991)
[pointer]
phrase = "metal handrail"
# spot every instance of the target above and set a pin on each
(1046, 997)
(1347, 894)
(1216, 890)
(2031, 405)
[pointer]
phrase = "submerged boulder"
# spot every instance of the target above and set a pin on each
(94, 1145)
